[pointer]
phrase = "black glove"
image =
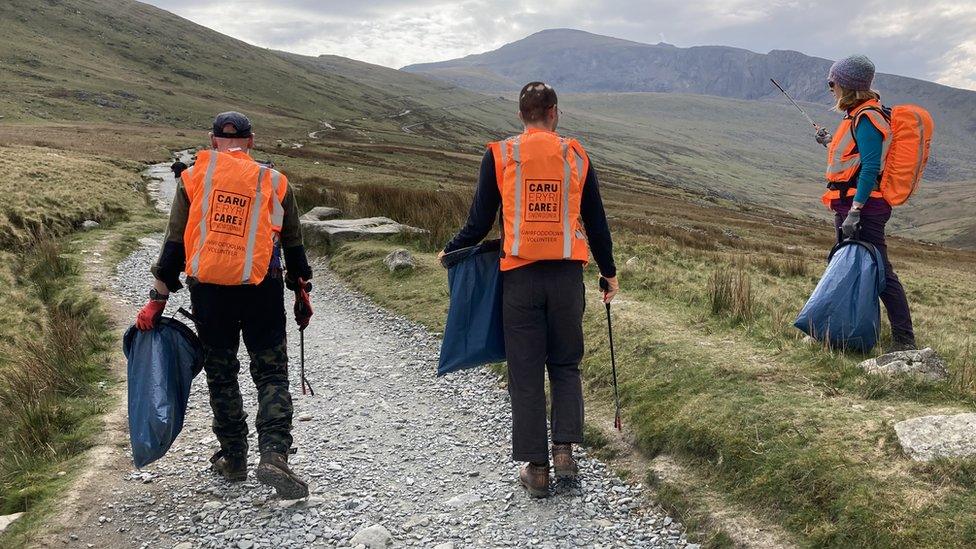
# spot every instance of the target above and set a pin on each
(178, 168)
(823, 137)
(291, 282)
(852, 224)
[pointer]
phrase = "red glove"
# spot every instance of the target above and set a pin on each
(303, 304)
(149, 314)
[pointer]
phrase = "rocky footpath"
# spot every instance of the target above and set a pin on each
(395, 456)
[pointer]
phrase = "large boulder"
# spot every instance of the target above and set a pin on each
(322, 213)
(334, 232)
(924, 364)
(400, 260)
(931, 437)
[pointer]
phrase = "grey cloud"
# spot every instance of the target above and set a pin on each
(935, 43)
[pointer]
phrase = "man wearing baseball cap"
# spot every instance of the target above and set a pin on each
(231, 219)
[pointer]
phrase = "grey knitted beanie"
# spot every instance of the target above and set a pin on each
(853, 73)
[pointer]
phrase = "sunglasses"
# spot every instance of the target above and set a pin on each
(830, 84)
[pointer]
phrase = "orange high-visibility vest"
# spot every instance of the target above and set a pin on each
(235, 217)
(843, 159)
(540, 177)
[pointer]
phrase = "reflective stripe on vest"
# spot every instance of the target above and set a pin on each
(253, 229)
(567, 235)
(207, 191)
(517, 230)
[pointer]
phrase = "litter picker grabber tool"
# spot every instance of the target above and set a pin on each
(303, 314)
(605, 287)
(816, 126)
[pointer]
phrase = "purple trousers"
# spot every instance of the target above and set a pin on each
(893, 297)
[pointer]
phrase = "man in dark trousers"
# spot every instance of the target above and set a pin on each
(231, 219)
(549, 196)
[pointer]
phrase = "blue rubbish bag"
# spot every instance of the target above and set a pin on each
(473, 335)
(162, 363)
(843, 310)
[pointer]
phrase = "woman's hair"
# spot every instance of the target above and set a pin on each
(851, 98)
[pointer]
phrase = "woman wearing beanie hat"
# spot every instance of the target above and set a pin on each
(856, 156)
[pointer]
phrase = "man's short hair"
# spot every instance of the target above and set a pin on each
(535, 100)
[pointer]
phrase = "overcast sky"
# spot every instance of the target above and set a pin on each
(933, 39)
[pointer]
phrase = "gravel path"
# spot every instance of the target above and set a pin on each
(393, 454)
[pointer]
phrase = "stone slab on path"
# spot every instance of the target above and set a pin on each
(332, 232)
(941, 436)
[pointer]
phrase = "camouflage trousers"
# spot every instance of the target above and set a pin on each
(256, 313)
(269, 370)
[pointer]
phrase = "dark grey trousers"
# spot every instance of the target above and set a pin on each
(543, 319)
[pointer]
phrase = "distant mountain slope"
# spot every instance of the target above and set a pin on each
(577, 61)
(127, 62)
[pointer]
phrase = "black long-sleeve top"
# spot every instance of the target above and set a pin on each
(487, 200)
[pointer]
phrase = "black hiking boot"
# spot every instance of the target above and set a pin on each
(273, 471)
(231, 466)
(901, 346)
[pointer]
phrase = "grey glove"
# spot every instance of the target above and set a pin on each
(852, 224)
(823, 137)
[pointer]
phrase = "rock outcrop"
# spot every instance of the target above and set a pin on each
(931, 437)
(924, 364)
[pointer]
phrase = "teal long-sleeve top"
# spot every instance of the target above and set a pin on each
(869, 144)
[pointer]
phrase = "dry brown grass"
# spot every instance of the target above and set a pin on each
(49, 192)
(730, 293)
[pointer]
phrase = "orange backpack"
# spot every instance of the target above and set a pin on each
(911, 136)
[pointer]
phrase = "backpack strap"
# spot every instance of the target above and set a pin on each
(884, 111)
(886, 114)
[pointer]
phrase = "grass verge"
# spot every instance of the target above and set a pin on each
(52, 385)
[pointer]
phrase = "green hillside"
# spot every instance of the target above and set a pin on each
(100, 60)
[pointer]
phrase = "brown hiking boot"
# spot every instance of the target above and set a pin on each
(274, 472)
(535, 479)
(233, 467)
(563, 463)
